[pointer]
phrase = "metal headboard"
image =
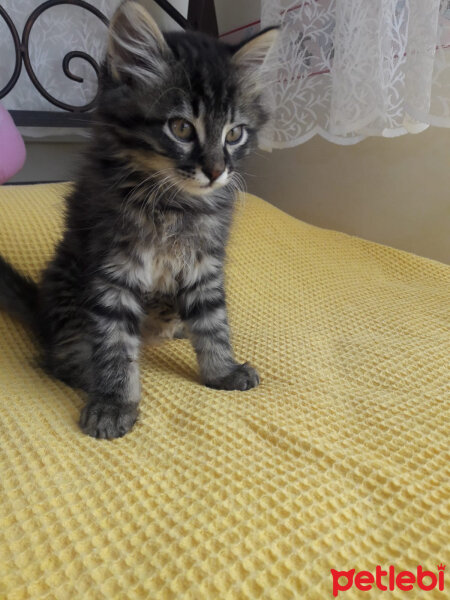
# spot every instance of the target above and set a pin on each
(201, 17)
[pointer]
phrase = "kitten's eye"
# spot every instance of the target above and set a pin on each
(235, 134)
(182, 129)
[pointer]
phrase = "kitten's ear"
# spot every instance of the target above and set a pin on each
(136, 46)
(250, 55)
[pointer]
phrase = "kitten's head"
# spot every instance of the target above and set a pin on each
(181, 106)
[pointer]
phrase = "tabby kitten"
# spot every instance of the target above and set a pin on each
(147, 222)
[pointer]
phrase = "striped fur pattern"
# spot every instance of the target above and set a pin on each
(147, 222)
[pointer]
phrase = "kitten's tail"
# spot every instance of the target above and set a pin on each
(18, 294)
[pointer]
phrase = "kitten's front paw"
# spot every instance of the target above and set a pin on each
(107, 421)
(243, 377)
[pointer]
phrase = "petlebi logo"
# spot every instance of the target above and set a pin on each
(388, 580)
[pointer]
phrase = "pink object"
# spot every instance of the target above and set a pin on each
(12, 147)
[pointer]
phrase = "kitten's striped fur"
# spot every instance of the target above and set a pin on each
(147, 221)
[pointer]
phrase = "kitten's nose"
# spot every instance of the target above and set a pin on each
(213, 173)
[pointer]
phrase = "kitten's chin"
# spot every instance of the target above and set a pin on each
(195, 189)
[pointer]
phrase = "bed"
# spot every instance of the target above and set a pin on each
(337, 461)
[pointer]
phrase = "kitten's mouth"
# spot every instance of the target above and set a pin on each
(202, 190)
(192, 186)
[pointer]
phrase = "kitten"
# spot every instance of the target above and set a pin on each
(148, 218)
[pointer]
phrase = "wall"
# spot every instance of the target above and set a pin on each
(230, 13)
(50, 161)
(393, 191)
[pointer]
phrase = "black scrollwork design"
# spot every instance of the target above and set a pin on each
(172, 12)
(18, 55)
(66, 67)
(23, 54)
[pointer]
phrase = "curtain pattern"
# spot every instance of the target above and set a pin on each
(343, 69)
(346, 69)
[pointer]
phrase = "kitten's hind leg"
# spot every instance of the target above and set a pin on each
(162, 322)
(180, 332)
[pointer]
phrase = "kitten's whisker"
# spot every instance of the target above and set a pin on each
(134, 192)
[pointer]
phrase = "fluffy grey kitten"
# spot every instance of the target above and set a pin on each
(147, 221)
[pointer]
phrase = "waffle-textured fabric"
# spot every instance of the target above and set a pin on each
(338, 460)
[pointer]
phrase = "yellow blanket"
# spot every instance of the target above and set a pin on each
(338, 460)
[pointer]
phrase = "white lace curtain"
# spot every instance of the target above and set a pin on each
(346, 69)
